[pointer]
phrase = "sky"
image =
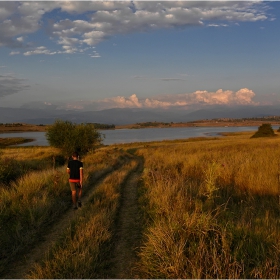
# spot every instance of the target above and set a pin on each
(95, 55)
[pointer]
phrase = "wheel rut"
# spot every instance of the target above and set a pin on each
(126, 237)
(21, 267)
(128, 233)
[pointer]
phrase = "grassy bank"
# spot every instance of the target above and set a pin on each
(4, 142)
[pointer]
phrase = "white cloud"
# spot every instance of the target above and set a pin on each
(217, 25)
(20, 39)
(122, 102)
(40, 50)
(107, 18)
(243, 96)
(20, 18)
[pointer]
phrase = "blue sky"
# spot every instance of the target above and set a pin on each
(98, 55)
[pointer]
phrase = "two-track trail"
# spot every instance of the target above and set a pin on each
(128, 233)
(126, 237)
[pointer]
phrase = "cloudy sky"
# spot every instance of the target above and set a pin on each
(145, 54)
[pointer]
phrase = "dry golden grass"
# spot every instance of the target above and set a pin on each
(29, 153)
(80, 254)
(213, 209)
(36, 199)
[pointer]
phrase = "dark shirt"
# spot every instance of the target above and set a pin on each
(75, 166)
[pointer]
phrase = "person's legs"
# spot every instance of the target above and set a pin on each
(74, 194)
(74, 198)
(79, 195)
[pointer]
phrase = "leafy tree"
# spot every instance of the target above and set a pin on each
(265, 130)
(71, 137)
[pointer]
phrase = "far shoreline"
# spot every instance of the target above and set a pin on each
(204, 123)
(200, 124)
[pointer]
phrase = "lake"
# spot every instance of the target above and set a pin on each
(140, 135)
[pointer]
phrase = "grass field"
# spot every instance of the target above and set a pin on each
(207, 208)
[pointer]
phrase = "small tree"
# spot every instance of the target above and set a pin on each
(265, 130)
(70, 137)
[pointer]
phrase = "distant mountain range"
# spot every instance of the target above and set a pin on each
(124, 116)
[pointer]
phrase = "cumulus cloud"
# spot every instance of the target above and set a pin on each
(122, 102)
(20, 18)
(243, 96)
(9, 84)
(90, 22)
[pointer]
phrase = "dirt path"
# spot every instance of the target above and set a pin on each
(125, 242)
(127, 237)
(21, 267)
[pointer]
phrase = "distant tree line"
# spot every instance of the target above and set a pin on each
(11, 124)
(146, 124)
(103, 126)
(267, 118)
(96, 125)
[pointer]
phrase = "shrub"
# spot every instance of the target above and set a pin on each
(10, 170)
(70, 137)
(265, 130)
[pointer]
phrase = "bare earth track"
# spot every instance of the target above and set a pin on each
(128, 231)
(126, 238)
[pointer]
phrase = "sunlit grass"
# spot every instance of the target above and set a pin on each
(38, 198)
(81, 253)
(213, 209)
(29, 153)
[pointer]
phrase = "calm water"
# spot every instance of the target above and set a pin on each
(139, 135)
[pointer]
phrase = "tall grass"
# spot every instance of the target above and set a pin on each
(29, 204)
(213, 210)
(81, 253)
(15, 162)
(26, 207)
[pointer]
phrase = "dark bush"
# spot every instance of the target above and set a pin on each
(10, 170)
(265, 130)
(59, 160)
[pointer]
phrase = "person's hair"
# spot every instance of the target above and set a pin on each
(75, 154)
